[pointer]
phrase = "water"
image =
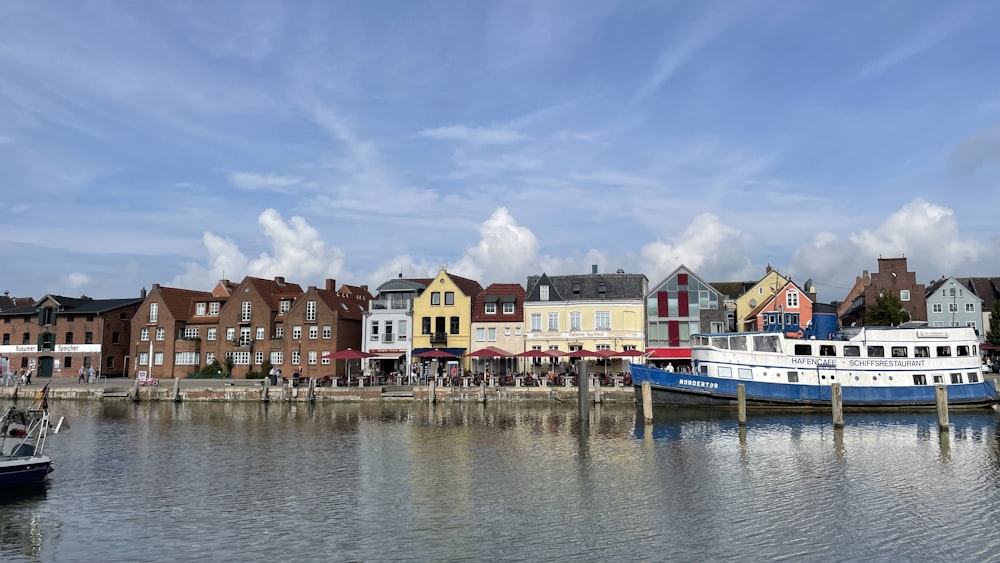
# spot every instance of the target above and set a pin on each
(237, 482)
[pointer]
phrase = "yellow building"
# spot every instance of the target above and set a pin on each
(760, 292)
(443, 316)
(590, 312)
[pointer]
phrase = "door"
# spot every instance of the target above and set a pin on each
(45, 366)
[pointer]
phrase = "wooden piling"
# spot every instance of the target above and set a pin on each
(647, 402)
(583, 393)
(741, 403)
(837, 402)
(312, 390)
(941, 397)
(135, 390)
(430, 390)
(482, 391)
(177, 389)
(265, 395)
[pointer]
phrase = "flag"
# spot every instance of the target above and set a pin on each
(43, 396)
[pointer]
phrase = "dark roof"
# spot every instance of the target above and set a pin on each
(934, 286)
(491, 294)
(404, 284)
(345, 305)
(588, 286)
(7, 302)
(76, 305)
(733, 290)
(470, 288)
(987, 289)
(273, 290)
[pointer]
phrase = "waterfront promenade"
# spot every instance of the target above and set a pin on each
(239, 390)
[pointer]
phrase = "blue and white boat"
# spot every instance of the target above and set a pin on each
(23, 431)
(875, 367)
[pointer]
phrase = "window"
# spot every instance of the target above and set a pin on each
(425, 325)
(921, 352)
(312, 357)
(943, 351)
(971, 323)
(491, 308)
(574, 320)
(373, 333)
(209, 358)
(956, 378)
(199, 309)
(435, 298)
(154, 312)
(803, 350)
(718, 327)
(517, 331)
(973, 377)
(115, 337)
(258, 358)
(402, 330)
(904, 295)
(213, 308)
(746, 373)
(602, 288)
(260, 333)
(279, 331)
(491, 334)
(68, 362)
(190, 332)
(284, 306)
(576, 288)
(480, 335)
(310, 310)
(898, 351)
(970, 308)
(792, 299)
(952, 307)
(536, 322)
(553, 321)
(88, 337)
(296, 358)
(143, 358)
(937, 323)
(296, 332)
(161, 333)
(230, 334)
(543, 293)
(245, 336)
(313, 332)
(158, 358)
(936, 308)
(876, 352)
(919, 379)
(245, 312)
(793, 377)
(6, 339)
(455, 329)
(725, 372)
(602, 320)
(939, 378)
(962, 350)
(186, 358)
(240, 358)
(69, 338)
(508, 308)
(327, 331)
(506, 331)
(449, 298)
(277, 358)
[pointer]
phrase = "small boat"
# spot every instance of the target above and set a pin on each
(875, 367)
(23, 431)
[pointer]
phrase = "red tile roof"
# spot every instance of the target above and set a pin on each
(470, 288)
(479, 314)
(180, 302)
(273, 290)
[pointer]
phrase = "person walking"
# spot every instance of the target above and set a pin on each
(27, 377)
(91, 375)
(82, 378)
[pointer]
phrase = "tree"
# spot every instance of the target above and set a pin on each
(887, 311)
(993, 335)
(229, 364)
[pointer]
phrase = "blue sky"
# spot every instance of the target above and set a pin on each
(175, 143)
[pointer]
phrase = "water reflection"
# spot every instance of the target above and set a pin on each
(20, 523)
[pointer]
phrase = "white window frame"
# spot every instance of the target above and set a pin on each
(161, 334)
(536, 322)
(324, 361)
(970, 307)
(296, 358)
(327, 331)
(186, 358)
(598, 317)
(143, 358)
(480, 335)
(310, 310)
(211, 333)
(277, 357)
(491, 335)
(952, 307)
(230, 334)
(401, 327)
(904, 295)
(191, 332)
(792, 299)
(491, 308)
(199, 309)
(575, 320)
(508, 308)
(144, 334)
(296, 332)
(246, 310)
(157, 358)
(213, 309)
(543, 293)
(311, 357)
(313, 332)
(260, 333)
(937, 308)
(552, 321)
(154, 312)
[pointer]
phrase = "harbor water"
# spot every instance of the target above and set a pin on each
(518, 482)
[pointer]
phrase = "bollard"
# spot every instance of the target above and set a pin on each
(430, 391)
(647, 402)
(597, 393)
(266, 395)
(312, 389)
(837, 400)
(583, 393)
(941, 396)
(177, 389)
(482, 391)
(741, 403)
(135, 390)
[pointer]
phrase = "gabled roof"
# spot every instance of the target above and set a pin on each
(470, 288)
(7, 302)
(345, 305)
(733, 290)
(358, 292)
(273, 290)
(686, 270)
(500, 293)
(180, 302)
(77, 305)
(766, 303)
(987, 289)
(588, 287)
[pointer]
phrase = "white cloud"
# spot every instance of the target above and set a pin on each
(269, 182)
(77, 279)
(297, 252)
(475, 135)
(506, 250)
(709, 247)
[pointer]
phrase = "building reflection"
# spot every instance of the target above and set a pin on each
(20, 522)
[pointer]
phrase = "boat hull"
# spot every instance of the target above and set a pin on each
(22, 471)
(670, 388)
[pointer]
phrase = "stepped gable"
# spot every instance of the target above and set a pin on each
(499, 291)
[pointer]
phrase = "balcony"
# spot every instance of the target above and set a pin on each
(439, 338)
(388, 338)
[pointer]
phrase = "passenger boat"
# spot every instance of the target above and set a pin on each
(875, 367)
(23, 431)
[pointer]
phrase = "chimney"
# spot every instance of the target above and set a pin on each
(331, 284)
(142, 294)
(767, 270)
(311, 288)
(593, 269)
(280, 280)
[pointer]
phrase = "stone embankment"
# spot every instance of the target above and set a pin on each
(226, 390)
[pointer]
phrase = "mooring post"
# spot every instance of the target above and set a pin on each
(135, 390)
(941, 396)
(741, 403)
(265, 396)
(430, 390)
(583, 393)
(647, 402)
(312, 389)
(177, 389)
(837, 401)
(482, 391)
(597, 392)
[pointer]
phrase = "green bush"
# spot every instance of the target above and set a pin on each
(214, 369)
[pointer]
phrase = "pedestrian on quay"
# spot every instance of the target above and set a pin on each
(92, 375)
(82, 378)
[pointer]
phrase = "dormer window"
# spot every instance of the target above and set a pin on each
(491, 308)
(543, 293)
(576, 288)
(602, 288)
(284, 306)
(199, 309)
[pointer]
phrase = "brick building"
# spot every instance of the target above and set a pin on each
(162, 331)
(893, 277)
(322, 321)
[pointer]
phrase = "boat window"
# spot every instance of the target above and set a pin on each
(899, 351)
(974, 353)
(943, 351)
(876, 352)
(827, 350)
(938, 379)
(956, 378)
(973, 377)
(850, 350)
(963, 350)
(765, 343)
(720, 342)
(746, 373)
(921, 352)
(725, 371)
(919, 379)
(803, 350)
(738, 342)
(793, 377)
(703, 370)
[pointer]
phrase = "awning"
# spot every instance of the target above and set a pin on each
(491, 299)
(669, 354)
(457, 352)
(509, 298)
(376, 354)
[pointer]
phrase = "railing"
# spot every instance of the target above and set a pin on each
(388, 338)
(383, 304)
(439, 338)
